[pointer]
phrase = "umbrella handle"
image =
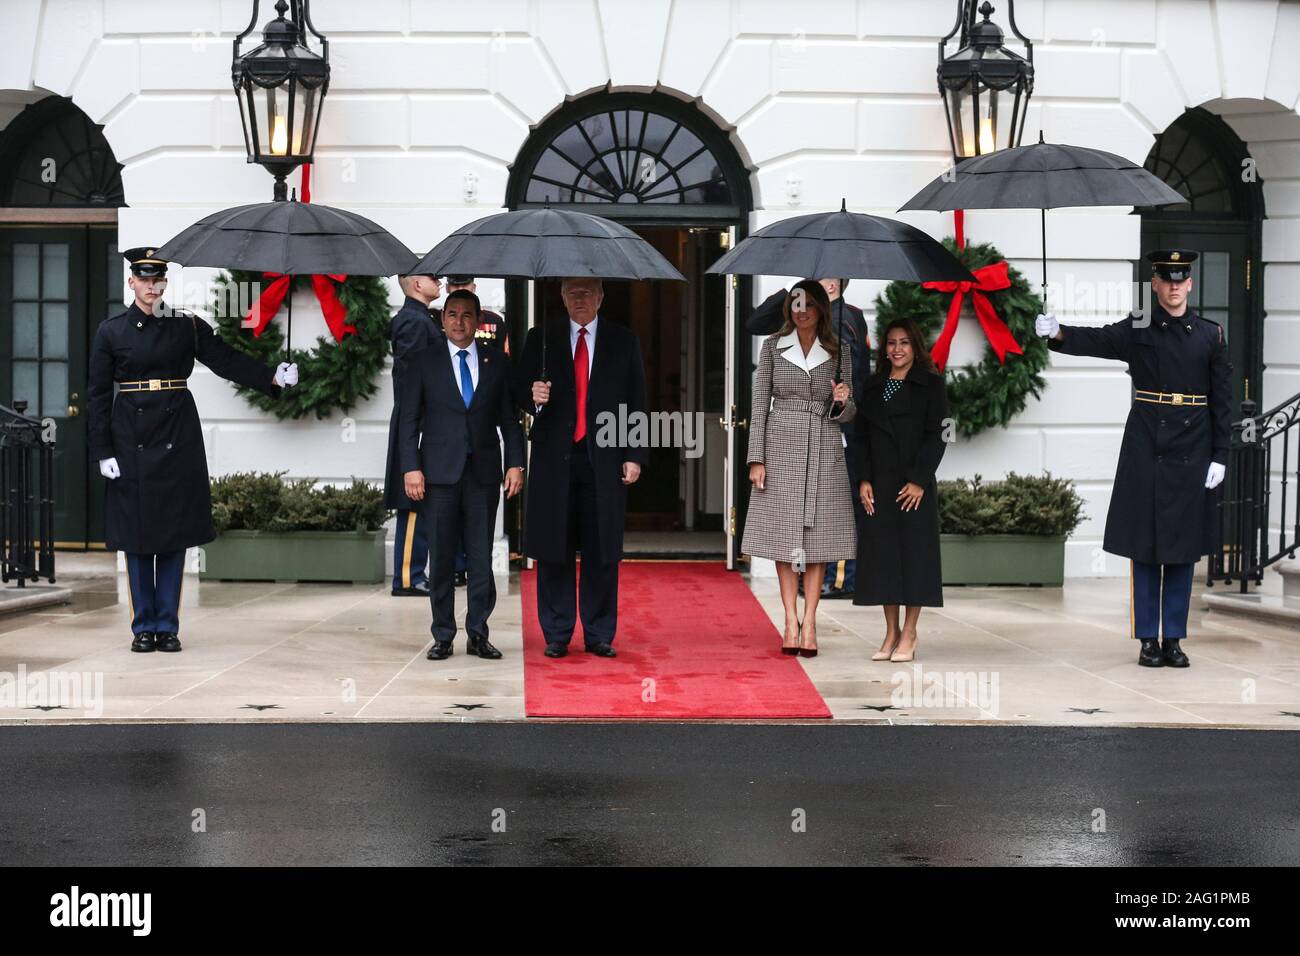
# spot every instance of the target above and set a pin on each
(1043, 217)
(288, 332)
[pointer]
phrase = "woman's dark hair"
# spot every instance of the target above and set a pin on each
(920, 351)
(815, 295)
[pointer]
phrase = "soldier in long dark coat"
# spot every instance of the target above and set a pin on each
(149, 443)
(1175, 448)
(414, 327)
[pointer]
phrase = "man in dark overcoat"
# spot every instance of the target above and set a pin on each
(414, 327)
(148, 440)
(576, 495)
(1175, 448)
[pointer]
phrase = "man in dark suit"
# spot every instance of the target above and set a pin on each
(580, 468)
(851, 326)
(413, 328)
(455, 395)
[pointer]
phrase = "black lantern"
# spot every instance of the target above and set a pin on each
(281, 87)
(985, 87)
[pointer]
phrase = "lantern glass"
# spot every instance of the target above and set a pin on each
(280, 86)
(985, 88)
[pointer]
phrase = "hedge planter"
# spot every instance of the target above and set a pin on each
(1002, 559)
(356, 556)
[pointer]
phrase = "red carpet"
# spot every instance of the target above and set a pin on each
(692, 642)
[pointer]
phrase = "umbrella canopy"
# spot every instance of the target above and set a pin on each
(843, 245)
(546, 244)
(1044, 176)
(291, 238)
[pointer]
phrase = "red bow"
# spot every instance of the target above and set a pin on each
(988, 279)
(272, 297)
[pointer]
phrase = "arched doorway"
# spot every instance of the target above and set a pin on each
(1200, 156)
(60, 276)
(663, 168)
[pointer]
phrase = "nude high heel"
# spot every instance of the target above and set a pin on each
(898, 657)
(887, 648)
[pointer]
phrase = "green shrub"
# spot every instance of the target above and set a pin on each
(1021, 504)
(266, 502)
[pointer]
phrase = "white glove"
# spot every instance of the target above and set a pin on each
(286, 374)
(108, 468)
(1214, 477)
(1046, 325)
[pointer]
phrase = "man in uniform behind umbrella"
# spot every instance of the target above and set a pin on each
(149, 442)
(416, 326)
(1175, 448)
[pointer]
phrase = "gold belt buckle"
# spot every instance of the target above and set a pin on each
(1178, 398)
(155, 385)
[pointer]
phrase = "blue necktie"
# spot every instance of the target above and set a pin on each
(466, 381)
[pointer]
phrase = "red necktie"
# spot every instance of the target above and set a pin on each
(580, 385)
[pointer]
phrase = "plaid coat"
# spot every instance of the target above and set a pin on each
(806, 509)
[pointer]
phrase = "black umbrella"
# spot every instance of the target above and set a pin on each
(291, 238)
(1044, 176)
(843, 245)
(546, 244)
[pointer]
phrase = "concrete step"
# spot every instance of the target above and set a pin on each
(31, 597)
(1267, 604)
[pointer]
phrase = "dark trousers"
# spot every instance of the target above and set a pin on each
(596, 586)
(155, 586)
(843, 574)
(466, 510)
(410, 550)
(1161, 593)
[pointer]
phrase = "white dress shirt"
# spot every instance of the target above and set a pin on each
(471, 360)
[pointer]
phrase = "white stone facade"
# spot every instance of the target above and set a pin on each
(431, 100)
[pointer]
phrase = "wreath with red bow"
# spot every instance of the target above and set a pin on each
(992, 392)
(341, 371)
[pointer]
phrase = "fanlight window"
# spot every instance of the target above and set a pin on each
(51, 154)
(1193, 163)
(628, 156)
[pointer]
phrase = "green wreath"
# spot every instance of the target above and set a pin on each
(334, 375)
(988, 394)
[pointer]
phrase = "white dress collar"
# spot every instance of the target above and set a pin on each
(816, 355)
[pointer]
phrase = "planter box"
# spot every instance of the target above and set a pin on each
(1002, 559)
(295, 556)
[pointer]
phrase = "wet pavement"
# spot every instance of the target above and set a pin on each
(576, 793)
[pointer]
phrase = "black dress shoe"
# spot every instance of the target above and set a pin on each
(461, 579)
(483, 648)
(556, 649)
(413, 591)
(440, 651)
(1149, 655)
(602, 650)
(836, 594)
(1173, 654)
(168, 642)
(144, 643)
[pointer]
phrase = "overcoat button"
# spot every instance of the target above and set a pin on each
(169, 446)
(139, 447)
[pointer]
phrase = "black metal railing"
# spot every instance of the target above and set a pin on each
(26, 497)
(1261, 495)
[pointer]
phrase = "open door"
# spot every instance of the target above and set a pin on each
(735, 427)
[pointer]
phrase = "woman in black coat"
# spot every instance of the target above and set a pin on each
(902, 425)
